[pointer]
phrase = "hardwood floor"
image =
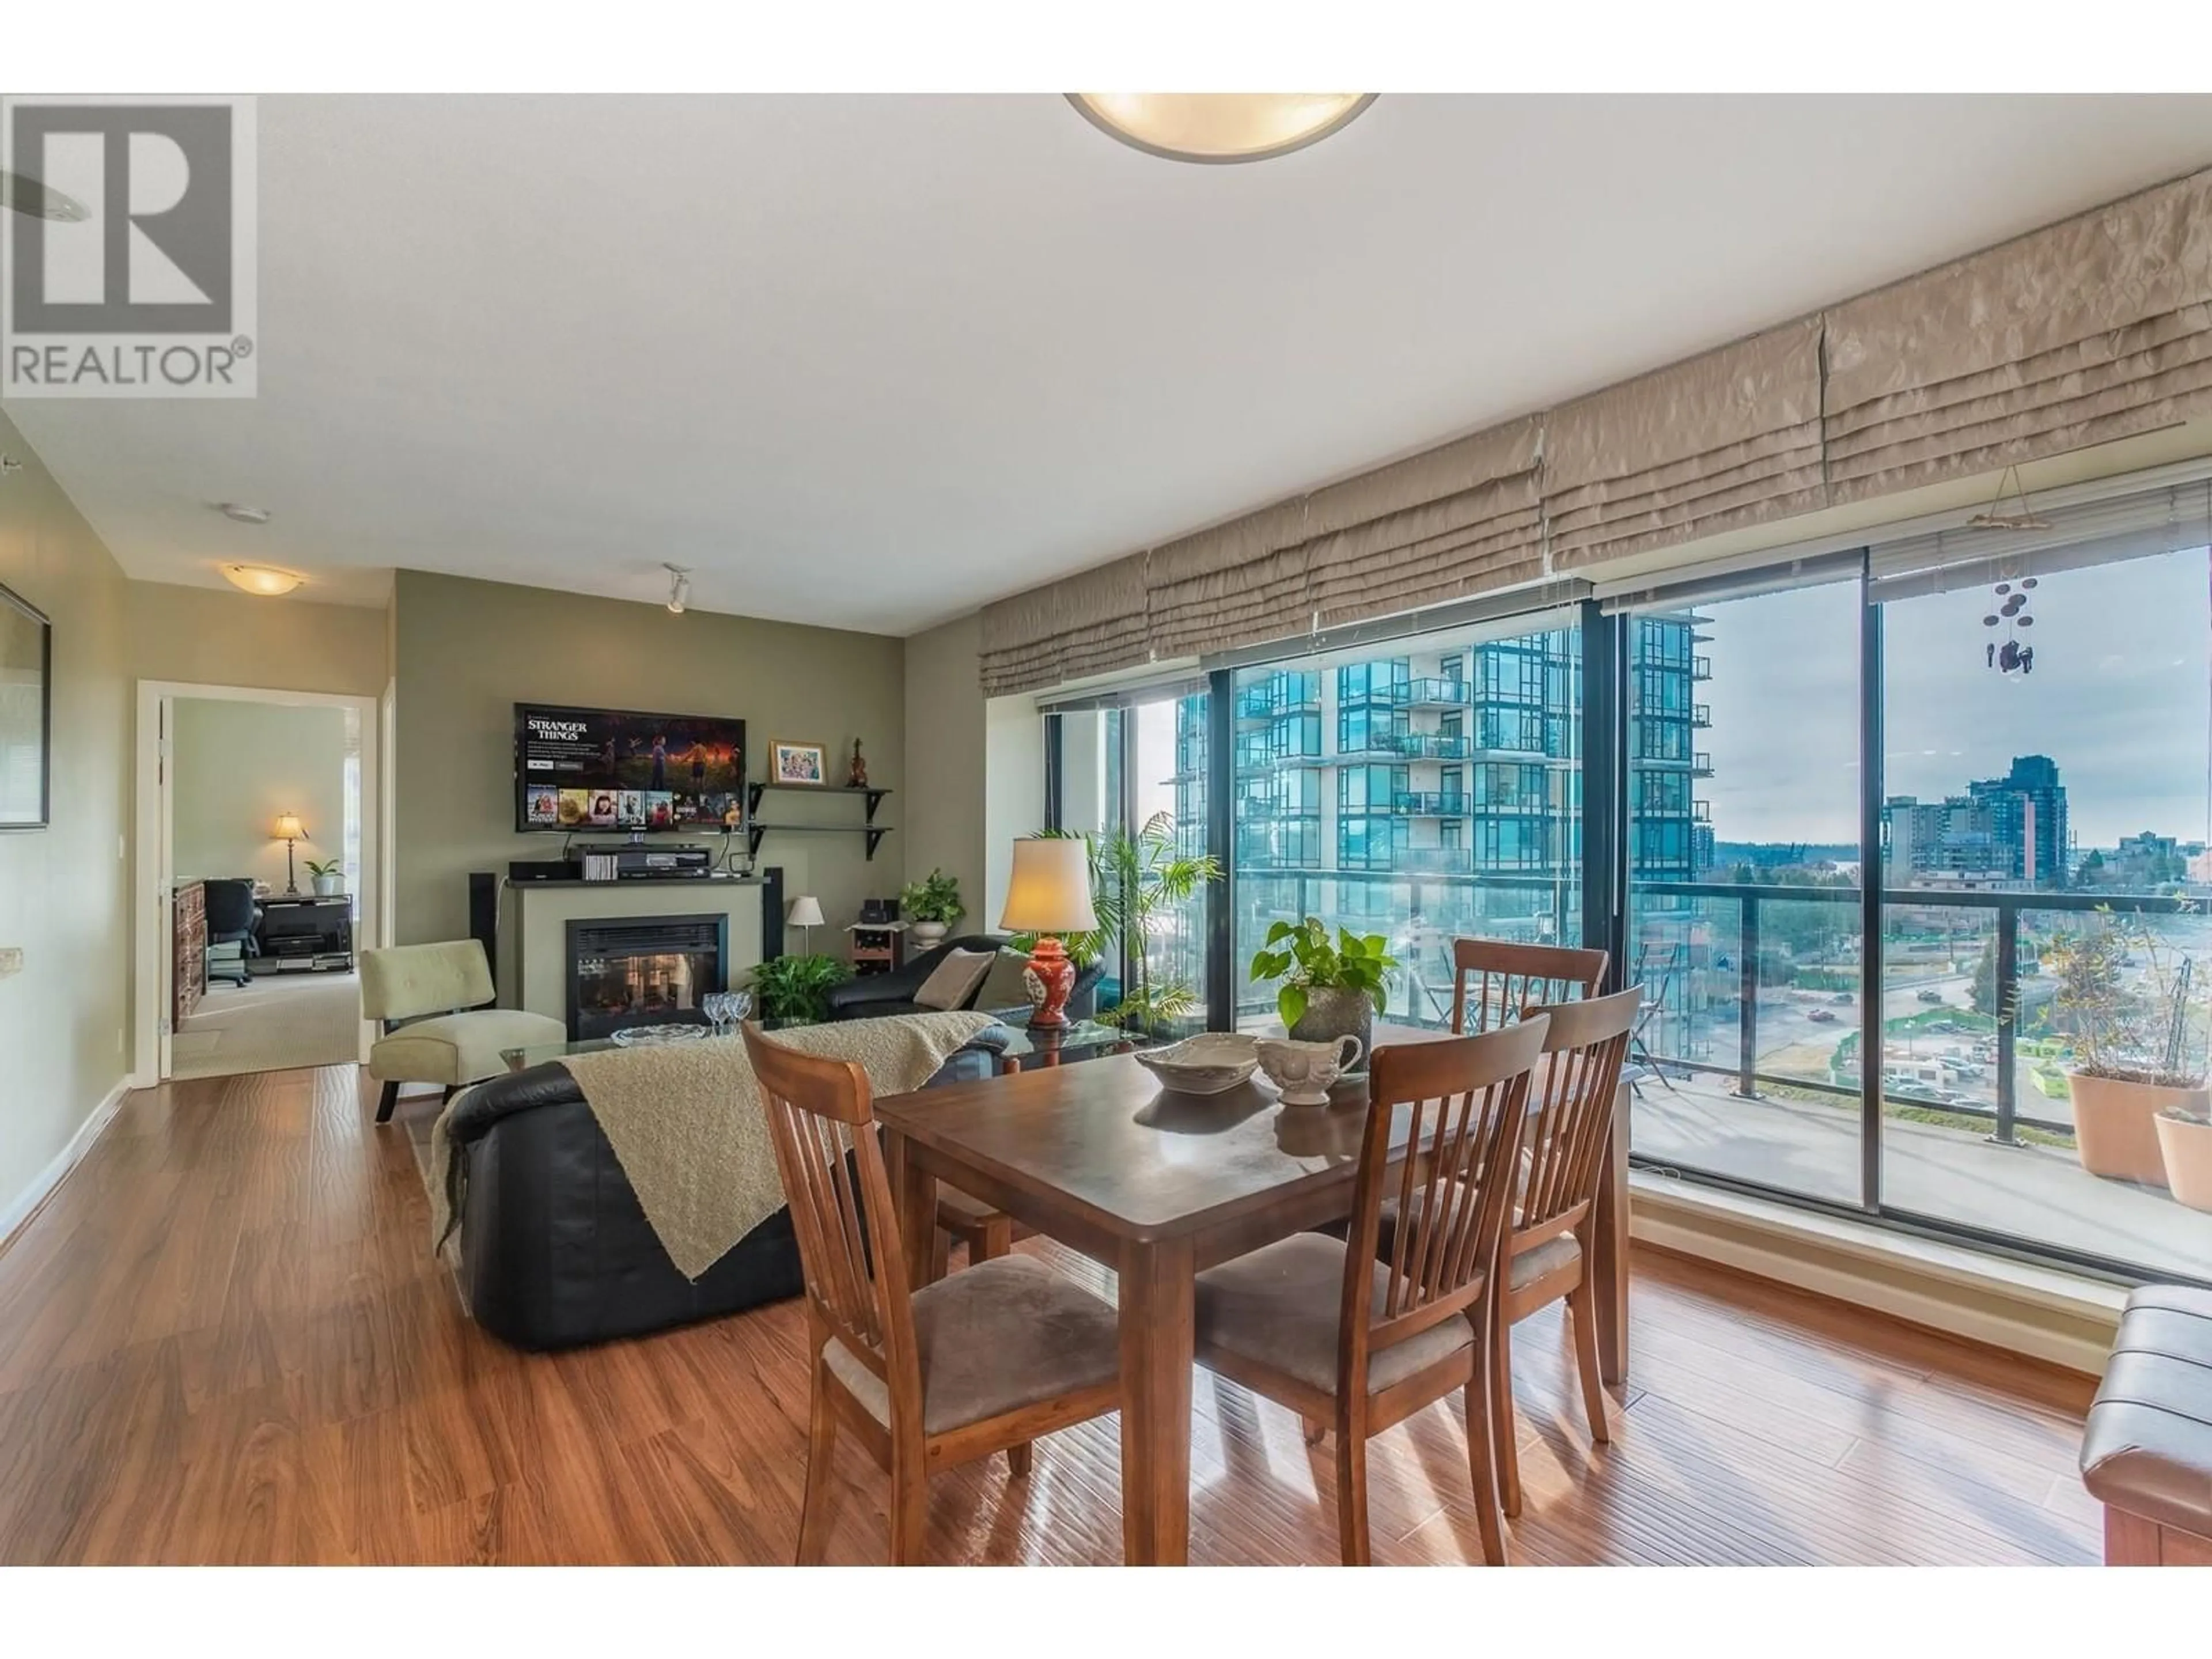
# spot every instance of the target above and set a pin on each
(225, 1340)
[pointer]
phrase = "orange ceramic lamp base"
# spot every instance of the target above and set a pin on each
(1056, 974)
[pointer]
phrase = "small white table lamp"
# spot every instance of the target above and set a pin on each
(1049, 893)
(805, 914)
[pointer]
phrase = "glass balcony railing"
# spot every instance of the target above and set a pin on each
(1435, 861)
(1423, 745)
(1431, 803)
(1431, 694)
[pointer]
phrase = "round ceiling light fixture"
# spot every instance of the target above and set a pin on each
(265, 579)
(26, 196)
(1220, 126)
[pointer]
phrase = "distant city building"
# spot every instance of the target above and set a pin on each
(2143, 860)
(2008, 831)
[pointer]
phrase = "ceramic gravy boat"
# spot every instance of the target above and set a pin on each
(1304, 1071)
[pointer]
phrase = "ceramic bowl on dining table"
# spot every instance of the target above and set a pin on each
(1210, 1063)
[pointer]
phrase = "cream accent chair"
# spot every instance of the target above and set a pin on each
(433, 1002)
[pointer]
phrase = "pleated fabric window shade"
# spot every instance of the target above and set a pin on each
(1726, 440)
(1242, 580)
(1092, 623)
(2075, 335)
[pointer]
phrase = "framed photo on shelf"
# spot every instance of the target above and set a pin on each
(798, 762)
(26, 705)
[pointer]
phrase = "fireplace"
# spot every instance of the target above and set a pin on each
(643, 971)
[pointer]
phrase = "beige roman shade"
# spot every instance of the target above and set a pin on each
(1729, 439)
(1455, 521)
(1237, 582)
(2075, 335)
(1092, 623)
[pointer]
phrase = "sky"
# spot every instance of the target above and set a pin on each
(2121, 698)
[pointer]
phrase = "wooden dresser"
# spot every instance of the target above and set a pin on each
(190, 942)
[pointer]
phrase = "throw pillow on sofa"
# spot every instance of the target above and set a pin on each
(950, 981)
(1003, 988)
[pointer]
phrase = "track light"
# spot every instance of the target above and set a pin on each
(679, 588)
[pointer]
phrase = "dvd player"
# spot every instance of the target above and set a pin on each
(632, 862)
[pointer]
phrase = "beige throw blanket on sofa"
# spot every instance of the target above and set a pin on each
(686, 1124)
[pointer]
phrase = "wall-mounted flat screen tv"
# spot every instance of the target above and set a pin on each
(606, 768)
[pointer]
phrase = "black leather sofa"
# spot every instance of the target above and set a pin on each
(554, 1250)
(874, 995)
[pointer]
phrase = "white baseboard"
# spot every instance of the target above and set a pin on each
(2047, 1315)
(25, 1203)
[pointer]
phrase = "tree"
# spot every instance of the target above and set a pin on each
(1987, 997)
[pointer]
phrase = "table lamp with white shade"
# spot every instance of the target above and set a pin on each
(288, 829)
(1049, 893)
(805, 914)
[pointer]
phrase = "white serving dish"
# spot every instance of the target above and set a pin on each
(1208, 1064)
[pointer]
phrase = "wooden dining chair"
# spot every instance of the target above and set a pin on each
(984, 1361)
(1506, 977)
(1551, 1241)
(1361, 1343)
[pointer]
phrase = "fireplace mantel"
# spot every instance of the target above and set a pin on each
(534, 918)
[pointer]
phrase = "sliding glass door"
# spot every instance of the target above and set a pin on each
(1744, 910)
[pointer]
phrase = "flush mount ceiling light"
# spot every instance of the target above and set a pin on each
(1220, 126)
(36, 201)
(265, 579)
(679, 588)
(241, 513)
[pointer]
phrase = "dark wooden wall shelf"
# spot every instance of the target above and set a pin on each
(756, 829)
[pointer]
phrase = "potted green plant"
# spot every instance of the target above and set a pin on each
(797, 987)
(930, 906)
(1137, 881)
(328, 875)
(1331, 989)
(2138, 1044)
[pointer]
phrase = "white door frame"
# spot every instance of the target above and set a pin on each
(152, 964)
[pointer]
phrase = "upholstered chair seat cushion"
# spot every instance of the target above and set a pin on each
(456, 1049)
(994, 1337)
(1281, 1306)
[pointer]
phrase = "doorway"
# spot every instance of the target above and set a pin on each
(260, 877)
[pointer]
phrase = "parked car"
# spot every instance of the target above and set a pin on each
(1821, 1015)
(1842, 998)
(1933, 997)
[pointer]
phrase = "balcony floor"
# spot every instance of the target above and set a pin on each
(2039, 1194)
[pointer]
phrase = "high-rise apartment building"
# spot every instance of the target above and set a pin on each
(2010, 831)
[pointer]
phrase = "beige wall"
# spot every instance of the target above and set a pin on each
(467, 652)
(216, 637)
(943, 813)
(63, 890)
(237, 766)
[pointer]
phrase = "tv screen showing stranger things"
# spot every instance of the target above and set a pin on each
(603, 769)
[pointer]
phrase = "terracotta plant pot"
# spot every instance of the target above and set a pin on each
(2187, 1146)
(2115, 1126)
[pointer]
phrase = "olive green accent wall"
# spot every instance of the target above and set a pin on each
(944, 763)
(466, 652)
(65, 890)
(218, 636)
(235, 766)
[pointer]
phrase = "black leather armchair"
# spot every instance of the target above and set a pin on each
(555, 1251)
(872, 996)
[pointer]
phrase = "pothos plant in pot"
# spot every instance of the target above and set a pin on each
(1331, 987)
(797, 987)
(930, 906)
(2137, 1014)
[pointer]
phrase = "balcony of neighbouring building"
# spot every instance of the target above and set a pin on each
(1431, 693)
(1431, 803)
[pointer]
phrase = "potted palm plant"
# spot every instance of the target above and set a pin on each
(930, 906)
(2138, 1046)
(1137, 881)
(1331, 989)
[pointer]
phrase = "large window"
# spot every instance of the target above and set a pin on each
(1744, 914)
(1450, 804)
(2044, 829)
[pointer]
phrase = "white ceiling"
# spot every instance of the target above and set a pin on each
(870, 361)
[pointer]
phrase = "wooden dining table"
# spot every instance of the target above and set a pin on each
(1158, 1186)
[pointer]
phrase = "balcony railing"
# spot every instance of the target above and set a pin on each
(1423, 745)
(1435, 861)
(1431, 803)
(1701, 668)
(1701, 765)
(1701, 714)
(1431, 694)
(1905, 1080)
